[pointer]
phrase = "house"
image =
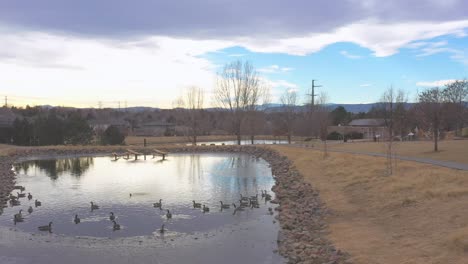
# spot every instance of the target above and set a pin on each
(370, 128)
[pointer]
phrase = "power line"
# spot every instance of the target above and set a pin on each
(313, 95)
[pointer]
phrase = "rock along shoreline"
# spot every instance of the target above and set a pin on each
(302, 238)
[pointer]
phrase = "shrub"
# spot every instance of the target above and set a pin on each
(354, 135)
(334, 136)
(112, 136)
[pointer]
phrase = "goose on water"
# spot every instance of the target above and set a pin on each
(46, 227)
(158, 204)
(30, 196)
(21, 195)
(168, 214)
(162, 230)
(19, 216)
(30, 209)
(94, 206)
(224, 206)
(196, 205)
(112, 216)
(77, 220)
(37, 203)
(206, 209)
(115, 226)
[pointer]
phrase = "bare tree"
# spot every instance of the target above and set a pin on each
(190, 106)
(239, 90)
(430, 107)
(393, 106)
(322, 115)
(455, 93)
(289, 100)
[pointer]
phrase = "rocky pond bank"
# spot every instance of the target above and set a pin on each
(302, 238)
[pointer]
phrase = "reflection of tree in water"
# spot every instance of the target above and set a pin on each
(54, 168)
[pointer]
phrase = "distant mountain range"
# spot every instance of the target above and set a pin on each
(271, 108)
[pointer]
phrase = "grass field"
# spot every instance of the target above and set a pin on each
(418, 215)
(449, 150)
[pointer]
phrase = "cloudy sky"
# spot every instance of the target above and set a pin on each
(79, 53)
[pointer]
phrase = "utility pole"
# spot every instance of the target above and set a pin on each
(312, 95)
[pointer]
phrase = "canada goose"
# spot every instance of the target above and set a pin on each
(116, 226)
(112, 216)
(244, 198)
(94, 206)
(237, 208)
(267, 197)
(29, 196)
(30, 209)
(77, 220)
(14, 202)
(263, 194)
(37, 203)
(19, 216)
(224, 206)
(243, 203)
(205, 209)
(158, 204)
(168, 215)
(130, 195)
(21, 195)
(196, 205)
(254, 197)
(46, 227)
(162, 230)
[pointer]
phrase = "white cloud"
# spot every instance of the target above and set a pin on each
(438, 83)
(349, 55)
(275, 69)
(384, 39)
(84, 71)
(365, 85)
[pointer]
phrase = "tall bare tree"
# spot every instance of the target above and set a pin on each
(455, 94)
(393, 109)
(289, 101)
(322, 115)
(191, 107)
(239, 90)
(431, 103)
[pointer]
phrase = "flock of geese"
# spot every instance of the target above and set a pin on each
(244, 202)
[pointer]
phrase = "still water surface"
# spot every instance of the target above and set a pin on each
(66, 186)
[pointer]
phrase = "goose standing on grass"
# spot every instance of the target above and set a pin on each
(46, 227)
(205, 209)
(224, 206)
(30, 209)
(116, 226)
(94, 206)
(112, 216)
(37, 203)
(196, 205)
(168, 214)
(158, 204)
(162, 230)
(77, 220)
(244, 198)
(29, 196)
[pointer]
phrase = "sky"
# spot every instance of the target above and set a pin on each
(107, 53)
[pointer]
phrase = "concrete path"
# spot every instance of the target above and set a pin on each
(447, 164)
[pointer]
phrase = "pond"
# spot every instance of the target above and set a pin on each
(128, 188)
(243, 142)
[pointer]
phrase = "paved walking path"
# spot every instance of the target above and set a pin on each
(447, 164)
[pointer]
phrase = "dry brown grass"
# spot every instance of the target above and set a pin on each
(418, 215)
(450, 150)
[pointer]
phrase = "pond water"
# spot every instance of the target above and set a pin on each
(244, 142)
(66, 186)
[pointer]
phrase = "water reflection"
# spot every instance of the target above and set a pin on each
(53, 168)
(205, 178)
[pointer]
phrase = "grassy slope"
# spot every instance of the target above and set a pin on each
(419, 215)
(450, 150)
